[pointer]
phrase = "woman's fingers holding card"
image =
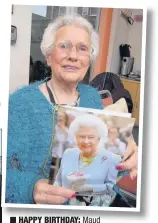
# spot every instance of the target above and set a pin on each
(50, 199)
(130, 159)
(130, 164)
(133, 173)
(45, 193)
(131, 148)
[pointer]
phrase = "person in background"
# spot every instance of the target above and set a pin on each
(114, 144)
(62, 139)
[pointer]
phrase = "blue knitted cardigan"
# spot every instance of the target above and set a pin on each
(29, 138)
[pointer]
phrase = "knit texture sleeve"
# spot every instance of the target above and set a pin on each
(90, 98)
(98, 101)
(20, 180)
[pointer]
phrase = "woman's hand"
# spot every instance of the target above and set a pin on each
(130, 159)
(45, 193)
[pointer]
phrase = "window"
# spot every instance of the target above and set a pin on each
(85, 10)
(93, 11)
(62, 10)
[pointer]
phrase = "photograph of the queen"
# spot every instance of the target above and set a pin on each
(89, 168)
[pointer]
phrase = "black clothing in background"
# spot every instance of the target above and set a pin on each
(112, 82)
(39, 71)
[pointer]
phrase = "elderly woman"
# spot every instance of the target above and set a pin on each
(69, 45)
(89, 169)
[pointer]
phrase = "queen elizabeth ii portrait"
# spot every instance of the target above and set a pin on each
(89, 168)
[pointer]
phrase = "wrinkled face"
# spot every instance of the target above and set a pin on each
(87, 139)
(67, 63)
(113, 133)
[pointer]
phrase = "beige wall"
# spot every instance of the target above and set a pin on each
(124, 33)
(135, 40)
(20, 52)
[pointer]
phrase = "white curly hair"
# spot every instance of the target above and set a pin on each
(49, 33)
(92, 121)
